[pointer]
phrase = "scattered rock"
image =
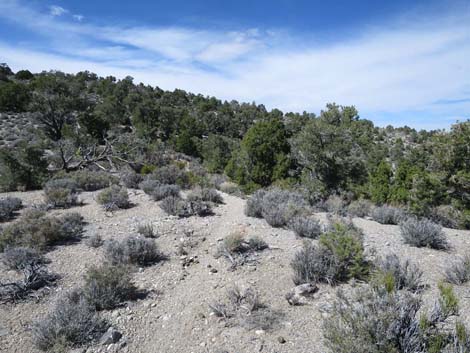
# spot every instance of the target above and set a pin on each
(111, 336)
(281, 340)
(297, 295)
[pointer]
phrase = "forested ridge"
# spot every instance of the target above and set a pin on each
(55, 123)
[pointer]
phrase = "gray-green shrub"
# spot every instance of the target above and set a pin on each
(305, 227)
(36, 230)
(8, 208)
(387, 214)
(72, 322)
(338, 257)
(107, 286)
(423, 233)
(132, 250)
(164, 190)
(61, 193)
(114, 198)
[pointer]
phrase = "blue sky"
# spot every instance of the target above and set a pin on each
(399, 62)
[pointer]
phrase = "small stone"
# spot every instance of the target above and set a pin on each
(111, 336)
(281, 340)
(213, 270)
(259, 332)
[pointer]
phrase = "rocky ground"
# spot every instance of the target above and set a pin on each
(175, 315)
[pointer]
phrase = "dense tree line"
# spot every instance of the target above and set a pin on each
(87, 119)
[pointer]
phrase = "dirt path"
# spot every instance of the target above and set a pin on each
(175, 316)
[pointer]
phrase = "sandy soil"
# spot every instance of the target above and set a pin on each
(175, 316)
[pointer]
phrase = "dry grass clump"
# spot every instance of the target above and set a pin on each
(423, 233)
(94, 241)
(244, 307)
(147, 230)
(238, 249)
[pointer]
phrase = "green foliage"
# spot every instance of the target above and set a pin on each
(380, 183)
(24, 75)
(338, 257)
(216, 152)
(262, 157)
(22, 168)
(14, 97)
(447, 299)
(331, 148)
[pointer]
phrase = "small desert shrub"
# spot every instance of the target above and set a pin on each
(305, 227)
(20, 257)
(359, 208)
(205, 194)
(247, 309)
(171, 175)
(276, 206)
(114, 198)
(176, 206)
(148, 186)
(393, 274)
(387, 214)
(447, 216)
(162, 191)
(8, 207)
(72, 322)
(61, 193)
(229, 188)
(458, 272)
(35, 277)
(36, 230)
(378, 321)
(88, 180)
(94, 241)
(335, 204)
(133, 251)
(423, 233)
(130, 178)
(108, 286)
(147, 230)
(172, 205)
(338, 257)
(236, 243)
(254, 205)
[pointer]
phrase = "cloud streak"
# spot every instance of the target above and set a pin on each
(410, 68)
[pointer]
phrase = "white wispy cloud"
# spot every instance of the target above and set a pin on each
(55, 10)
(408, 67)
(78, 18)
